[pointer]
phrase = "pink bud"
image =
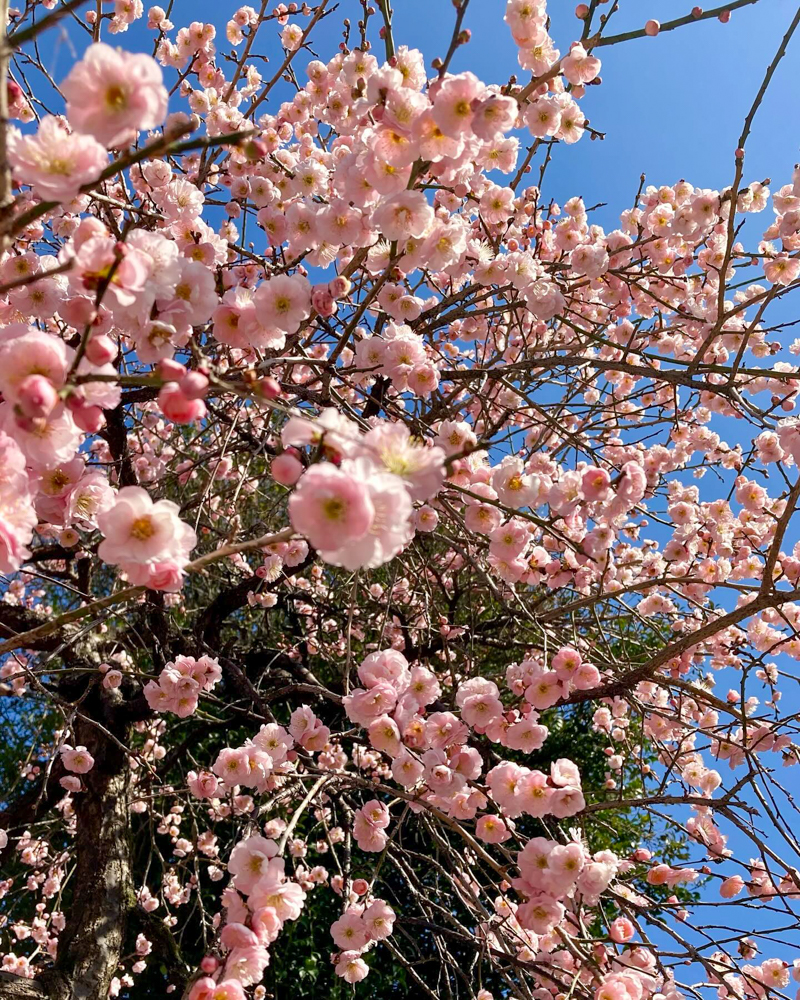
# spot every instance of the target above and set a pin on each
(652, 28)
(101, 350)
(270, 388)
(339, 286)
(89, 418)
(68, 538)
(286, 469)
(37, 396)
(725, 16)
(697, 11)
(582, 11)
(177, 407)
(194, 385)
(322, 301)
(209, 964)
(621, 930)
(255, 149)
(170, 371)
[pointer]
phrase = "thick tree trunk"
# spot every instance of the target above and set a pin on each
(16, 988)
(90, 945)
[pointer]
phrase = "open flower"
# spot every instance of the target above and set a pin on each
(113, 94)
(55, 162)
(147, 540)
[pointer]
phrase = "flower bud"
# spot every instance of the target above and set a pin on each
(89, 418)
(101, 350)
(194, 385)
(36, 396)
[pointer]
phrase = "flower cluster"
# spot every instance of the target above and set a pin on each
(181, 683)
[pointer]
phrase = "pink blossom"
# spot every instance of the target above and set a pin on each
(55, 162)
(405, 214)
(453, 103)
(492, 830)
(368, 828)
(122, 270)
(731, 887)
(141, 533)
(112, 94)
(356, 516)
(406, 769)
(77, 759)
(284, 302)
(540, 914)
(378, 919)
(351, 967)
(17, 516)
(208, 989)
(387, 665)
(595, 483)
(545, 691)
(349, 932)
(364, 706)
(284, 897)
(420, 468)
(384, 735)
(621, 930)
(91, 496)
(32, 353)
(330, 508)
(578, 66)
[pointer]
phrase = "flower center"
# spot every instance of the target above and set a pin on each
(116, 98)
(333, 508)
(142, 528)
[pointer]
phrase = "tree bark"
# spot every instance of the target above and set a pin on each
(90, 945)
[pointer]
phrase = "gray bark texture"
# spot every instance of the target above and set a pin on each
(91, 943)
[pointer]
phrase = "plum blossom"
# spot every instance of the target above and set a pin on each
(146, 539)
(55, 162)
(112, 94)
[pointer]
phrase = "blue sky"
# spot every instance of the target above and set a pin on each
(671, 107)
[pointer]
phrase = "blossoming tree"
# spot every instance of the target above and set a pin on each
(401, 570)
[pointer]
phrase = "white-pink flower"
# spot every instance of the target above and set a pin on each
(453, 103)
(17, 516)
(55, 162)
(77, 759)
(32, 353)
(147, 540)
(405, 214)
(283, 302)
(421, 468)
(112, 94)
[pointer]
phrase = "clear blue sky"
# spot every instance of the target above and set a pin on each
(671, 107)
